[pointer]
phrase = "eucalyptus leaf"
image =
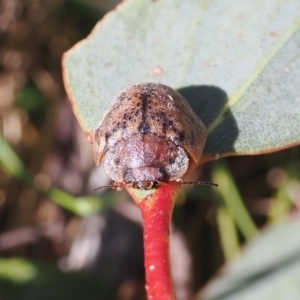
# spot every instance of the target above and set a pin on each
(268, 268)
(236, 62)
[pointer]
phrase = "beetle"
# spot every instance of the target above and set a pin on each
(149, 136)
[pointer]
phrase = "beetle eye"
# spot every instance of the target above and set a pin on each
(128, 178)
(162, 175)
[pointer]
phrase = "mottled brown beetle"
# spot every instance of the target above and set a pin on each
(148, 136)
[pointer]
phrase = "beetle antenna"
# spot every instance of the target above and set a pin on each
(199, 183)
(103, 187)
(114, 186)
(118, 187)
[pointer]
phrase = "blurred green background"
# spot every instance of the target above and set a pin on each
(61, 240)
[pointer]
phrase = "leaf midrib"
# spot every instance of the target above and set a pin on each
(235, 98)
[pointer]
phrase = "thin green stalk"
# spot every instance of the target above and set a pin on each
(228, 233)
(230, 197)
(283, 200)
(13, 166)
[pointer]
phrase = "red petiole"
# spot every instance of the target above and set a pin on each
(156, 207)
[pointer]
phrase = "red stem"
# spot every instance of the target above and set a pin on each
(156, 207)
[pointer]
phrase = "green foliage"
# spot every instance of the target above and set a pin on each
(229, 196)
(21, 279)
(82, 206)
(268, 268)
(17, 270)
(31, 100)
